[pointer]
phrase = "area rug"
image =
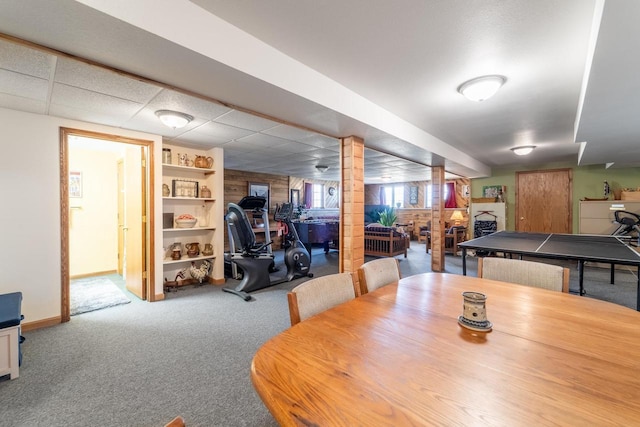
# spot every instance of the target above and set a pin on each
(95, 293)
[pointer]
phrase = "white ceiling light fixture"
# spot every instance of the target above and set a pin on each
(173, 119)
(481, 88)
(523, 150)
(322, 168)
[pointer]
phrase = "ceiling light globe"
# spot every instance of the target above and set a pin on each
(481, 88)
(523, 150)
(173, 119)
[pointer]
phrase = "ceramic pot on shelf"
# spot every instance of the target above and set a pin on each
(193, 249)
(205, 192)
(208, 249)
(203, 162)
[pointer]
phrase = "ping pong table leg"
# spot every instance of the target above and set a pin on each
(464, 261)
(613, 267)
(581, 276)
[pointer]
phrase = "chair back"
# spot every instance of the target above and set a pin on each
(378, 273)
(317, 295)
(529, 273)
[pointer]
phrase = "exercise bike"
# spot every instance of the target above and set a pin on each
(254, 260)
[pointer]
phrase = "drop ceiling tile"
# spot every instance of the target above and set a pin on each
(119, 110)
(259, 140)
(221, 133)
(83, 115)
(100, 80)
(244, 120)
(289, 132)
(322, 141)
(22, 104)
(22, 85)
(169, 99)
(21, 59)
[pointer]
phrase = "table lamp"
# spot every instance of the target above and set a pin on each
(457, 217)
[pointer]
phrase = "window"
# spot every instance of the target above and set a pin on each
(318, 196)
(427, 201)
(394, 195)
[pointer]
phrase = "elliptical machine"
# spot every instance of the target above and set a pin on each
(253, 258)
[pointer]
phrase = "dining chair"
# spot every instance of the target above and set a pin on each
(176, 422)
(529, 273)
(377, 273)
(319, 294)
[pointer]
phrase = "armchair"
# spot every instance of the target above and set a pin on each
(452, 237)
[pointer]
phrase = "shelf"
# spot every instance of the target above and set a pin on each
(186, 258)
(199, 199)
(188, 229)
(166, 166)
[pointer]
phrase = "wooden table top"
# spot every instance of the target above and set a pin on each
(397, 356)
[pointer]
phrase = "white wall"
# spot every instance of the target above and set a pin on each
(30, 212)
(93, 218)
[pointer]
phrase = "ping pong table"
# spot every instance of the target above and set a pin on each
(611, 250)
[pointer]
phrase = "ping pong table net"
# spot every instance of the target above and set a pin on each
(482, 227)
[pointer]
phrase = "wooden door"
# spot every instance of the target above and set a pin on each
(135, 221)
(120, 218)
(544, 201)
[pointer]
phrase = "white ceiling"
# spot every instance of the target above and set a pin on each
(385, 71)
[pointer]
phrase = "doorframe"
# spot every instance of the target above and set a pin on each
(148, 219)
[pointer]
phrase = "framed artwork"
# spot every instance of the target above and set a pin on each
(260, 189)
(413, 195)
(295, 198)
(75, 184)
(493, 191)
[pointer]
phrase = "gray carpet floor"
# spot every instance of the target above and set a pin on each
(141, 364)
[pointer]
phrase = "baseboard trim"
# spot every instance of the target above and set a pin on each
(97, 273)
(39, 324)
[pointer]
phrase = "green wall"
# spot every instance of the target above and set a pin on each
(588, 181)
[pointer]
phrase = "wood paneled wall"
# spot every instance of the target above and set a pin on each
(330, 202)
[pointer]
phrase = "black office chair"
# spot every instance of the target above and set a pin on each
(627, 223)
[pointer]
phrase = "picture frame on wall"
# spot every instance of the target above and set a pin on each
(295, 198)
(413, 195)
(260, 189)
(493, 191)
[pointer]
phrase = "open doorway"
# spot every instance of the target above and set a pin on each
(104, 204)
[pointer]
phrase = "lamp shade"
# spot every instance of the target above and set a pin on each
(457, 217)
(523, 150)
(173, 119)
(481, 88)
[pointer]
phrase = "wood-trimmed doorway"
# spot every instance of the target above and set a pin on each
(142, 248)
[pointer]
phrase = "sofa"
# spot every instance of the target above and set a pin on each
(385, 241)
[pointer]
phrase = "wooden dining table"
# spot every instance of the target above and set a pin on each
(398, 357)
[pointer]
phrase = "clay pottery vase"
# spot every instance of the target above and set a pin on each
(175, 254)
(208, 249)
(193, 249)
(205, 192)
(203, 162)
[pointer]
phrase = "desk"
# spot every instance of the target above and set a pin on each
(397, 356)
(579, 247)
(318, 232)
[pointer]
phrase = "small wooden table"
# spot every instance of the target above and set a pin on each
(397, 356)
